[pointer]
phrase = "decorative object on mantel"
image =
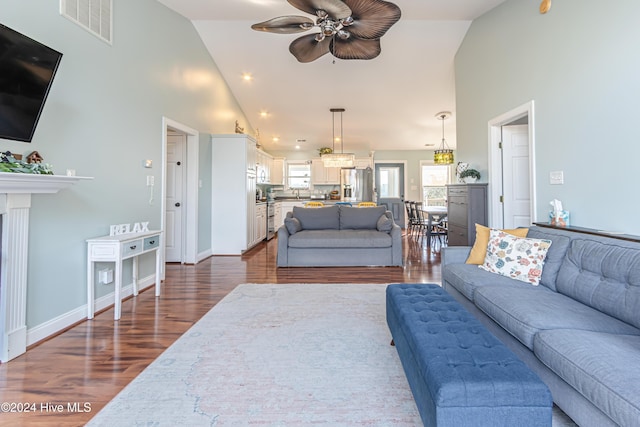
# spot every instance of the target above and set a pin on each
(34, 157)
(462, 166)
(443, 155)
(9, 163)
(238, 128)
(469, 176)
(348, 29)
(341, 159)
(545, 5)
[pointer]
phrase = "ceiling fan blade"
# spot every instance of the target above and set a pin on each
(354, 48)
(285, 25)
(335, 8)
(372, 18)
(307, 49)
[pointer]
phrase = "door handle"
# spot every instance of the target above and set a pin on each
(177, 205)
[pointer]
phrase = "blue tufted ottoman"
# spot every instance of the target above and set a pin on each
(459, 373)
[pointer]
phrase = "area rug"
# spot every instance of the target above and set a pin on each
(276, 355)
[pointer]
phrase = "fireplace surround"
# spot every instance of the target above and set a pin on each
(16, 190)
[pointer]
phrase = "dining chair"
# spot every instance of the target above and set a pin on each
(314, 205)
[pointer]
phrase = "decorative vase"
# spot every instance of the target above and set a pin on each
(461, 167)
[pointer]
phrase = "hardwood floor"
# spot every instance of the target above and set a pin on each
(90, 363)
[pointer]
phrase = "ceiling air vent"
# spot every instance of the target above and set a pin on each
(92, 15)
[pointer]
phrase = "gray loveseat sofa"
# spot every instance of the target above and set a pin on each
(339, 236)
(578, 329)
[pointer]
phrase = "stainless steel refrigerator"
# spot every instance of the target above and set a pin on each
(356, 185)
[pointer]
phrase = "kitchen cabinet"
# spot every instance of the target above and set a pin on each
(233, 193)
(324, 176)
(278, 220)
(264, 164)
(277, 171)
(363, 163)
(260, 228)
(467, 205)
(287, 207)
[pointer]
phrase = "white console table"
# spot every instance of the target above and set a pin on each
(116, 249)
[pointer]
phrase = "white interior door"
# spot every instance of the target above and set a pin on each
(174, 234)
(516, 176)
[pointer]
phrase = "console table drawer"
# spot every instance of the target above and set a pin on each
(151, 242)
(131, 248)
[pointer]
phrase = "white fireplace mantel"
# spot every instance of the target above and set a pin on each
(12, 183)
(15, 201)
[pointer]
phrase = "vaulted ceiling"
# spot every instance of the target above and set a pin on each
(391, 101)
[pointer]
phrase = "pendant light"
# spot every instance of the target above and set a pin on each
(341, 159)
(443, 155)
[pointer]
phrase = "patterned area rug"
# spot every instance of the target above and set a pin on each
(276, 355)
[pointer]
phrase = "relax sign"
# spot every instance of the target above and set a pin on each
(138, 227)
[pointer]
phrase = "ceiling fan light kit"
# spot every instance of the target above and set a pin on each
(341, 159)
(443, 155)
(349, 29)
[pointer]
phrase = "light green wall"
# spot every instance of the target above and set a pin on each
(580, 65)
(103, 118)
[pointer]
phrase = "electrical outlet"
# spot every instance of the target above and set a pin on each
(150, 180)
(105, 276)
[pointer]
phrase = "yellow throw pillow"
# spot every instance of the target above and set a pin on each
(479, 249)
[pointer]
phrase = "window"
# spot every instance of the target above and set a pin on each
(389, 182)
(298, 175)
(434, 179)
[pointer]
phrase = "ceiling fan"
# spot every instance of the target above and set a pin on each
(349, 29)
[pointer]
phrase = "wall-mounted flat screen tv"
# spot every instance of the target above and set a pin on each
(27, 68)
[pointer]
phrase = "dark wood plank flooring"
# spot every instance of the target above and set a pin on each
(92, 361)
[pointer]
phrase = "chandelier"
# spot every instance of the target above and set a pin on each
(443, 155)
(341, 159)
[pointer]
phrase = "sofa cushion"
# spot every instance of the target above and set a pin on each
(293, 225)
(340, 239)
(519, 258)
(479, 249)
(360, 218)
(385, 223)
(605, 275)
(524, 311)
(466, 278)
(602, 367)
(318, 218)
(555, 255)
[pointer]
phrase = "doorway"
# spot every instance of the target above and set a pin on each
(179, 186)
(389, 187)
(512, 168)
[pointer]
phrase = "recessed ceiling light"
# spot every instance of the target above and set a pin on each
(297, 147)
(247, 77)
(264, 113)
(276, 139)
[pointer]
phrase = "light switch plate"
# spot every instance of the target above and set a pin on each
(556, 177)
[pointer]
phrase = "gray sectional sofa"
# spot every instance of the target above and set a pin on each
(578, 330)
(339, 236)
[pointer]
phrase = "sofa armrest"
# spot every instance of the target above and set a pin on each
(455, 254)
(396, 244)
(282, 257)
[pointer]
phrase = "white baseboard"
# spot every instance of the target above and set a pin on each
(57, 324)
(204, 255)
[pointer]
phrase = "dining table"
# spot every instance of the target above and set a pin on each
(433, 214)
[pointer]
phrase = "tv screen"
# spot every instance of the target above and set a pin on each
(27, 69)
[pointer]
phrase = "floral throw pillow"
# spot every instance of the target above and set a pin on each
(516, 257)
